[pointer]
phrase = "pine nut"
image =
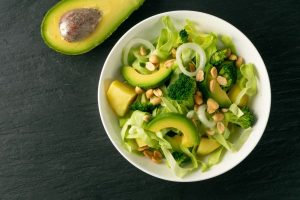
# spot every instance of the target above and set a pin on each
(210, 132)
(214, 72)
(224, 110)
(155, 100)
(157, 92)
(220, 127)
(169, 63)
(222, 80)
(218, 117)
(138, 90)
(212, 105)
(232, 57)
(200, 75)
(147, 118)
(156, 160)
(143, 51)
(154, 59)
(239, 62)
(192, 67)
(148, 153)
(143, 148)
(150, 66)
(149, 93)
(199, 93)
(173, 52)
(212, 85)
(157, 154)
(198, 99)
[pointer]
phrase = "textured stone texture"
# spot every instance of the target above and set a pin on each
(52, 142)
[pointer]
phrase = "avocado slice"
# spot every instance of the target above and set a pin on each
(190, 136)
(218, 95)
(113, 13)
(145, 81)
(207, 146)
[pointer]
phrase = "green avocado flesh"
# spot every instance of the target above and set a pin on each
(218, 95)
(113, 13)
(145, 81)
(190, 136)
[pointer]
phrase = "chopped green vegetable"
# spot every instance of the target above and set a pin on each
(245, 121)
(184, 36)
(219, 56)
(183, 90)
(228, 70)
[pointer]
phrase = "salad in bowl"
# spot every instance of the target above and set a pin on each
(183, 98)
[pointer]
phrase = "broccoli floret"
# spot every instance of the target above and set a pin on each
(219, 56)
(183, 90)
(144, 107)
(184, 36)
(180, 157)
(142, 104)
(228, 70)
(245, 121)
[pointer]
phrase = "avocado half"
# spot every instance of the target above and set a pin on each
(114, 12)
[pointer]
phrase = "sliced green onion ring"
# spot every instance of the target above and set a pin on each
(133, 43)
(198, 50)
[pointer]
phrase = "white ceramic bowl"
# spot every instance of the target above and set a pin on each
(149, 29)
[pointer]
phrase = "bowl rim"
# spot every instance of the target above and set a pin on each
(220, 172)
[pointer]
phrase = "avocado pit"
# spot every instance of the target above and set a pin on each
(78, 24)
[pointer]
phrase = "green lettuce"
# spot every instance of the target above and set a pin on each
(227, 41)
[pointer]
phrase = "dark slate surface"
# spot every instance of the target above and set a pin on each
(52, 142)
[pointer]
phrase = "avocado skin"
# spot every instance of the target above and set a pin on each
(49, 43)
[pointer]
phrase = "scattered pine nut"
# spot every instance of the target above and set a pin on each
(200, 75)
(148, 153)
(198, 99)
(154, 59)
(214, 72)
(157, 92)
(220, 127)
(210, 132)
(155, 100)
(138, 90)
(222, 80)
(224, 110)
(149, 93)
(169, 63)
(218, 117)
(192, 67)
(239, 62)
(212, 85)
(157, 154)
(212, 105)
(150, 66)
(147, 118)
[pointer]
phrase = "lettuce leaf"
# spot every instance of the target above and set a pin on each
(227, 41)
(248, 81)
(167, 38)
(175, 167)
